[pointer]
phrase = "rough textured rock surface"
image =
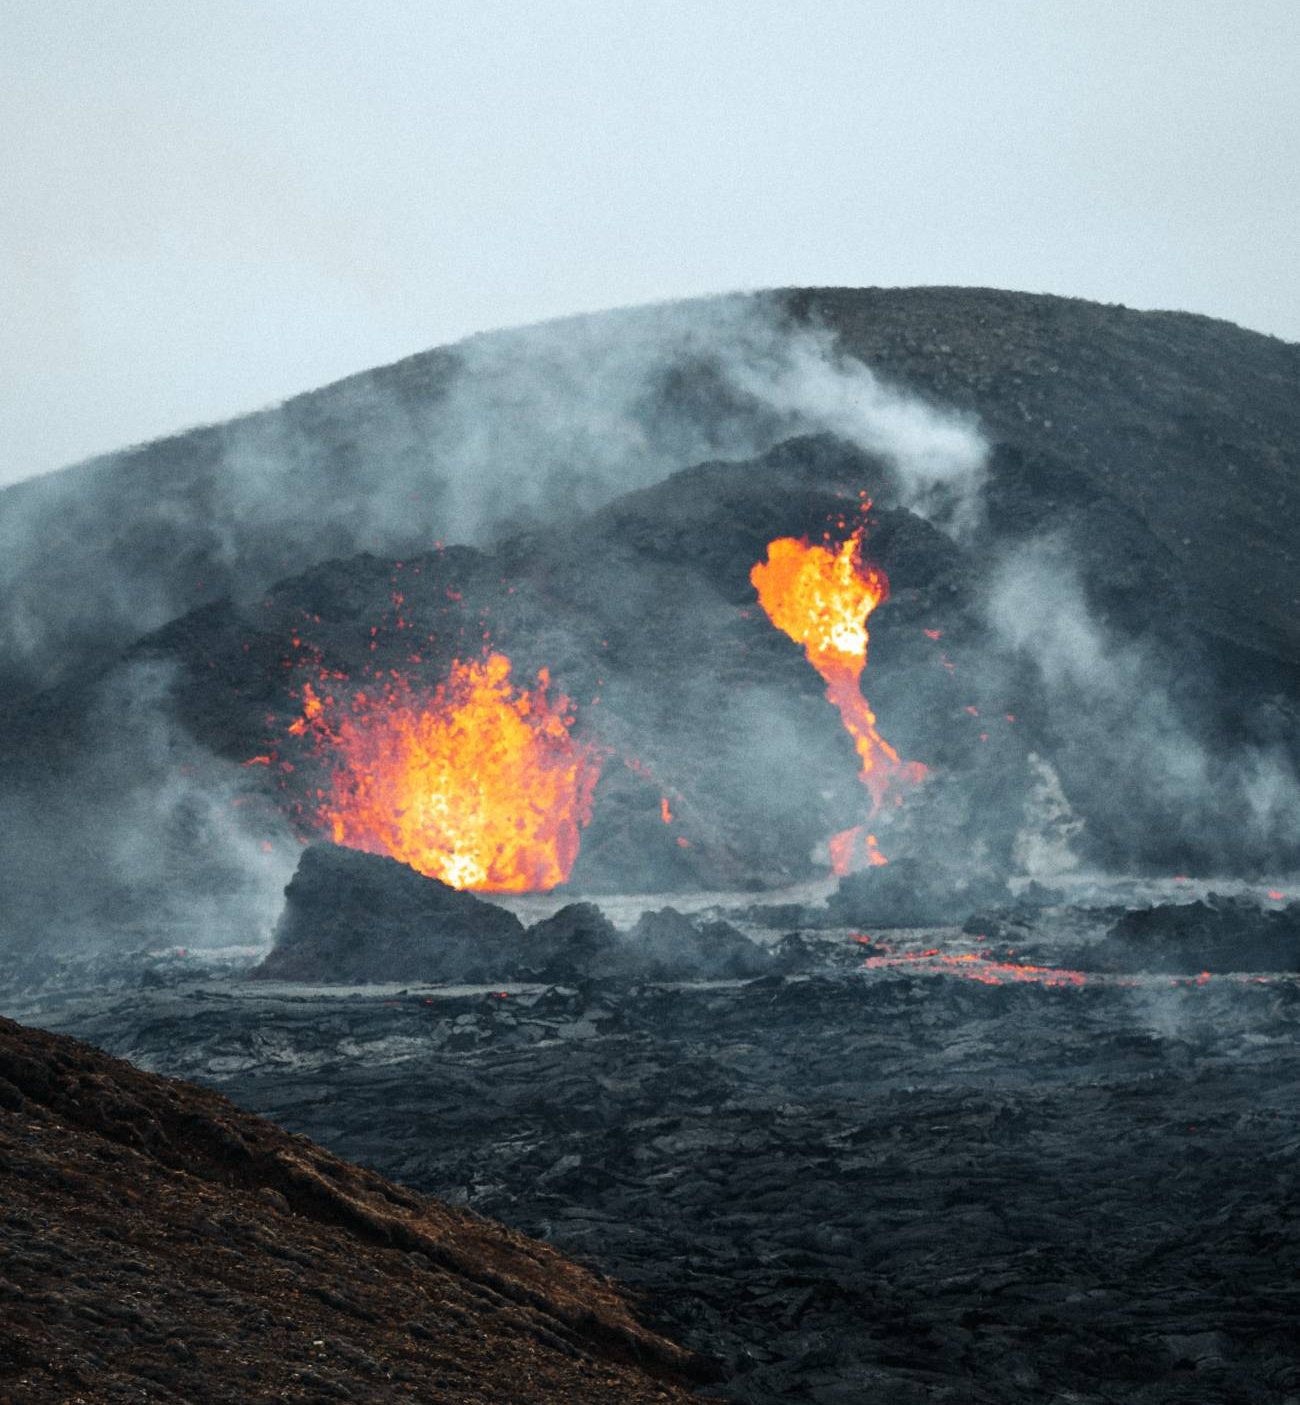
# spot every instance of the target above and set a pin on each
(1219, 934)
(933, 1177)
(158, 1244)
(348, 916)
(665, 945)
(355, 918)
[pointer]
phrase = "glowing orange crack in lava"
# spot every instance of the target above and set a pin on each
(976, 966)
(821, 596)
(479, 783)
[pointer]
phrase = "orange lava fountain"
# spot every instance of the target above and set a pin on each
(821, 597)
(479, 784)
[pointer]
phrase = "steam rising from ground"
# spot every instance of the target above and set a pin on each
(569, 414)
(140, 841)
(1120, 733)
(508, 429)
(458, 445)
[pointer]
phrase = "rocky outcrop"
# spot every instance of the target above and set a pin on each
(1219, 934)
(667, 945)
(350, 916)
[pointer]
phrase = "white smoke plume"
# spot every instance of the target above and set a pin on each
(569, 414)
(461, 444)
(1119, 730)
(140, 840)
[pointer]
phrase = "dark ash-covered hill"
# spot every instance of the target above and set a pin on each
(159, 1244)
(1085, 514)
(1188, 423)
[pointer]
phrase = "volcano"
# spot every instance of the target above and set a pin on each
(1085, 516)
(791, 798)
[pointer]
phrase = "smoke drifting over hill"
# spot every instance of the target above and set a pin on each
(566, 416)
(460, 445)
(1048, 650)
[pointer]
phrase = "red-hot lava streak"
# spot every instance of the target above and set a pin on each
(479, 783)
(821, 596)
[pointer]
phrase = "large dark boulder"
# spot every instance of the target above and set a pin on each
(351, 917)
(355, 917)
(668, 945)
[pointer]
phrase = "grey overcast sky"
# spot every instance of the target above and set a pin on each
(209, 205)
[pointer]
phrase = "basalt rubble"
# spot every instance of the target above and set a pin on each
(917, 1163)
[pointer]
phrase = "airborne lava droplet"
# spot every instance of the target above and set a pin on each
(821, 597)
(478, 783)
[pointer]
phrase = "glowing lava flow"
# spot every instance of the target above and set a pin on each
(821, 597)
(479, 784)
(976, 966)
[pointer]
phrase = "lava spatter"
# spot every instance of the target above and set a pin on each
(478, 782)
(821, 596)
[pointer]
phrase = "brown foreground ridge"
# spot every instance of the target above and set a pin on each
(158, 1244)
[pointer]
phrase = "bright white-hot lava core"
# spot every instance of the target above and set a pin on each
(478, 783)
(481, 783)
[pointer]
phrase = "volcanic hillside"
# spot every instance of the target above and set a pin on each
(1086, 515)
(1185, 425)
(159, 1244)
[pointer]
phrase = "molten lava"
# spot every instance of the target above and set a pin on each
(479, 783)
(821, 596)
(852, 849)
(976, 966)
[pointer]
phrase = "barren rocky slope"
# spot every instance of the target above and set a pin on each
(935, 1176)
(1185, 426)
(158, 1244)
